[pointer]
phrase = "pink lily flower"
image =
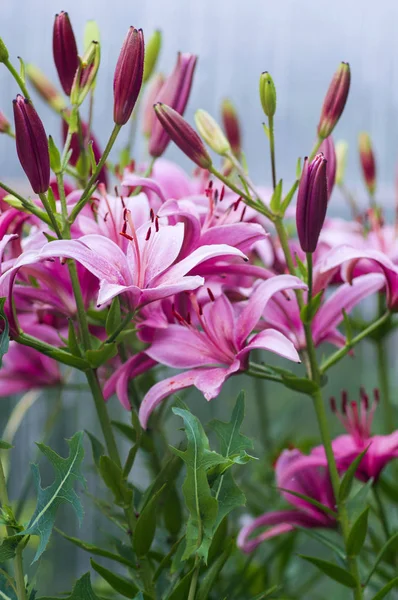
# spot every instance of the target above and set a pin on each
(305, 475)
(220, 348)
(357, 419)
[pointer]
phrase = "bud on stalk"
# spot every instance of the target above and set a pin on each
(45, 88)
(65, 52)
(335, 100)
(152, 51)
(368, 162)
(183, 135)
(128, 76)
(3, 52)
(211, 132)
(312, 203)
(5, 126)
(329, 152)
(231, 126)
(149, 118)
(32, 145)
(267, 94)
(85, 75)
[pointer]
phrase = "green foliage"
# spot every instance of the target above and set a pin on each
(331, 570)
(120, 584)
(357, 535)
(145, 526)
(67, 473)
(346, 482)
(387, 588)
(4, 335)
(113, 478)
(213, 572)
(98, 357)
(82, 590)
(8, 547)
(97, 447)
(390, 545)
(96, 550)
(113, 320)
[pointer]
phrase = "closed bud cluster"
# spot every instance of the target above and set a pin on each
(5, 126)
(335, 100)
(128, 76)
(32, 145)
(368, 162)
(312, 202)
(65, 52)
(212, 133)
(231, 126)
(152, 51)
(267, 94)
(183, 135)
(45, 88)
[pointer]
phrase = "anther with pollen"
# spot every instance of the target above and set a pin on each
(148, 234)
(211, 295)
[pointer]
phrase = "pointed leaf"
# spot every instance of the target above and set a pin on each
(332, 571)
(300, 384)
(8, 547)
(181, 590)
(120, 584)
(113, 319)
(82, 590)
(228, 495)
(213, 572)
(232, 441)
(97, 448)
(96, 550)
(113, 478)
(391, 544)
(346, 482)
(73, 343)
(357, 535)
(323, 540)
(145, 527)
(275, 202)
(5, 445)
(312, 501)
(67, 473)
(387, 588)
(96, 358)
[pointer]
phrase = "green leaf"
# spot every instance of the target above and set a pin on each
(356, 503)
(5, 445)
(130, 460)
(228, 495)
(323, 540)
(332, 571)
(309, 311)
(312, 501)
(8, 547)
(139, 596)
(113, 320)
(357, 535)
(298, 168)
(202, 506)
(266, 130)
(390, 545)
(181, 590)
(213, 572)
(97, 448)
(120, 584)
(73, 343)
(4, 335)
(82, 590)
(346, 482)
(300, 384)
(113, 478)
(95, 549)
(55, 157)
(387, 588)
(7, 592)
(96, 358)
(145, 526)
(67, 472)
(231, 440)
(275, 202)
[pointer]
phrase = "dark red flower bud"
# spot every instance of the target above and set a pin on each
(328, 150)
(5, 126)
(335, 100)
(75, 146)
(231, 125)
(65, 52)
(368, 161)
(183, 135)
(127, 81)
(32, 145)
(312, 202)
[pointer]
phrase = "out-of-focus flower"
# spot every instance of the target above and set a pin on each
(312, 203)
(341, 159)
(175, 93)
(231, 125)
(45, 88)
(328, 150)
(32, 145)
(129, 71)
(149, 117)
(302, 474)
(368, 161)
(335, 100)
(152, 51)
(5, 126)
(75, 146)
(65, 52)
(211, 132)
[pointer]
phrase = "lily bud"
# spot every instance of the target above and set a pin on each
(149, 118)
(329, 152)
(85, 76)
(45, 88)
(341, 155)
(152, 51)
(267, 94)
(65, 52)
(312, 202)
(128, 76)
(183, 135)
(211, 132)
(174, 93)
(231, 126)
(368, 162)
(5, 126)
(3, 52)
(32, 145)
(335, 100)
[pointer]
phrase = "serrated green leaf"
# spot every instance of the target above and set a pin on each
(145, 526)
(92, 549)
(331, 570)
(67, 473)
(97, 448)
(4, 335)
(8, 547)
(390, 544)
(82, 590)
(213, 572)
(387, 588)
(202, 506)
(346, 482)
(231, 440)
(114, 319)
(113, 478)
(96, 358)
(120, 584)
(357, 535)
(228, 495)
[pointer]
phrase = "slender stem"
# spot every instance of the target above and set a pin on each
(56, 353)
(259, 207)
(92, 181)
(382, 513)
(309, 270)
(27, 204)
(315, 149)
(194, 580)
(17, 78)
(121, 327)
(62, 197)
(272, 149)
(253, 372)
(51, 215)
(262, 412)
(383, 376)
(245, 178)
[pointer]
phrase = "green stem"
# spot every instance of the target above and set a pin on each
(194, 580)
(272, 149)
(259, 207)
(315, 149)
(384, 385)
(57, 354)
(61, 191)
(29, 206)
(92, 181)
(309, 270)
(382, 513)
(263, 416)
(121, 327)
(51, 215)
(17, 78)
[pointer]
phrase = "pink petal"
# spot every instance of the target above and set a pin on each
(181, 348)
(118, 382)
(274, 341)
(134, 181)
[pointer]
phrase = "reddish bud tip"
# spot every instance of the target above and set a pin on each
(4, 124)
(65, 52)
(335, 100)
(232, 127)
(311, 203)
(368, 161)
(328, 150)
(129, 71)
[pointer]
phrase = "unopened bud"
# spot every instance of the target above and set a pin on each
(368, 162)
(267, 94)
(151, 95)
(183, 135)
(32, 145)
(152, 51)
(329, 152)
(335, 100)
(45, 88)
(65, 52)
(128, 76)
(312, 203)
(5, 126)
(3, 52)
(86, 75)
(211, 132)
(231, 126)
(341, 156)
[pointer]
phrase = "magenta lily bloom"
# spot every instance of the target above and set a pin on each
(357, 419)
(220, 348)
(305, 475)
